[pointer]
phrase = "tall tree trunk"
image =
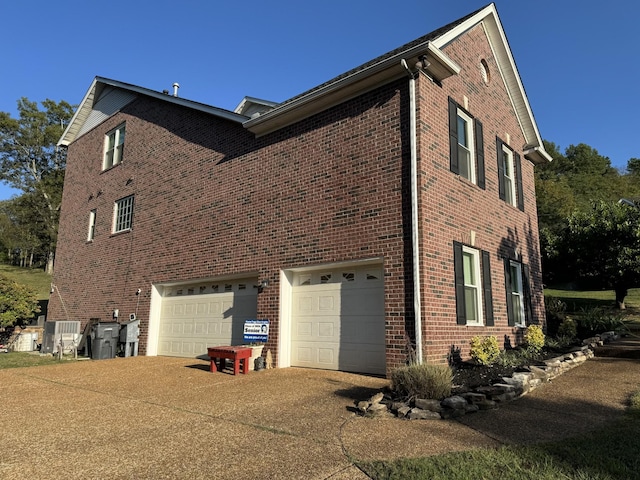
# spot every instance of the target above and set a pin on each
(49, 268)
(621, 293)
(31, 259)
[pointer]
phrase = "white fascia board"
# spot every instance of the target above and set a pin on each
(83, 111)
(488, 17)
(79, 117)
(258, 101)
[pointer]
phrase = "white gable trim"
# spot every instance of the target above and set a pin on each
(99, 84)
(488, 18)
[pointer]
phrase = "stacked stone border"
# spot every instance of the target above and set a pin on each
(481, 398)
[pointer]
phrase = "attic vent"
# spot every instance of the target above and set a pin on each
(484, 71)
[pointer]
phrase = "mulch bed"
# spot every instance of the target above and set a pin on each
(467, 376)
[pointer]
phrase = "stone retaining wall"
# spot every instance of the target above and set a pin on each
(481, 398)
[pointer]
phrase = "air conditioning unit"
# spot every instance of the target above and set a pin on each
(65, 332)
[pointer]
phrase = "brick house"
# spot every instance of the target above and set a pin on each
(392, 205)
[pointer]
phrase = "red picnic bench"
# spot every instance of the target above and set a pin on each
(234, 353)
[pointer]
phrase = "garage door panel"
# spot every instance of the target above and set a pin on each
(326, 330)
(191, 323)
(316, 355)
(326, 356)
(188, 328)
(339, 325)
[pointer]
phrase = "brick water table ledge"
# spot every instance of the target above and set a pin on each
(236, 354)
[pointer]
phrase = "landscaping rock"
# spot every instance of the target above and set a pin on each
(474, 398)
(485, 397)
(419, 414)
(377, 407)
(539, 372)
(428, 404)
(456, 403)
(377, 398)
(403, 411)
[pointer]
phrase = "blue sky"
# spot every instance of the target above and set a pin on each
(578, 59)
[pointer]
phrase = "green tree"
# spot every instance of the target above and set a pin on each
(18, 303)
(633, 166)
(22, 231)
(570, 183)
(31, 161)
(602, 247)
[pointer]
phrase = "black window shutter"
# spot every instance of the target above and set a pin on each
(477, 128)
(453, 137)
(458, 268)
(507, 282)
(526, 286)
(501, 190)
(486, 287)
(519, 182)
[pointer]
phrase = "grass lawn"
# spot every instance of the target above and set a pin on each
(24, 359)
(610, 453)
(578, 301)
(35, 278)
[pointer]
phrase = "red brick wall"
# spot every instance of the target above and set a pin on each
(452, 207)
(211, 200)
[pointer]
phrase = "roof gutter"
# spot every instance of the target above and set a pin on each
(537, 155)
(439, 67)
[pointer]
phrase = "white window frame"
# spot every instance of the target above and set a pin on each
(517, 295)
(113, 149)
(473, 284)
(92, 225)
(469, 149)
(123, 214)
(509, 176)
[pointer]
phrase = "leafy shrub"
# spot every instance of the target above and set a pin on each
(18, 303)
(567, 328)
(511, 358)
(560, 342)
(534, 338)
(485, 350)
(592, 321)
(555, 313)
(422, 381)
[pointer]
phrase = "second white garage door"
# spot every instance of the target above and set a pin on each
(338, 320)
(194, 317)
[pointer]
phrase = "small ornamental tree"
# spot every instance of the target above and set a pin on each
(602, 247)
(18, 303)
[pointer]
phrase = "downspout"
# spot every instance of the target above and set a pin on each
(414, 211)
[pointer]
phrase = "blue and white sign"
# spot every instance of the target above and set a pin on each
(256, 331)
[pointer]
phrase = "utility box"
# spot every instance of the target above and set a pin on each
(62, 332)
(104, 340)
(129, 334)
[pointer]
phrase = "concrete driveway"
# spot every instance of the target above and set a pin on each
(159, 417)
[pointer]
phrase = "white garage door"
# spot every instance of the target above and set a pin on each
(195, 317)
(338, 320)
